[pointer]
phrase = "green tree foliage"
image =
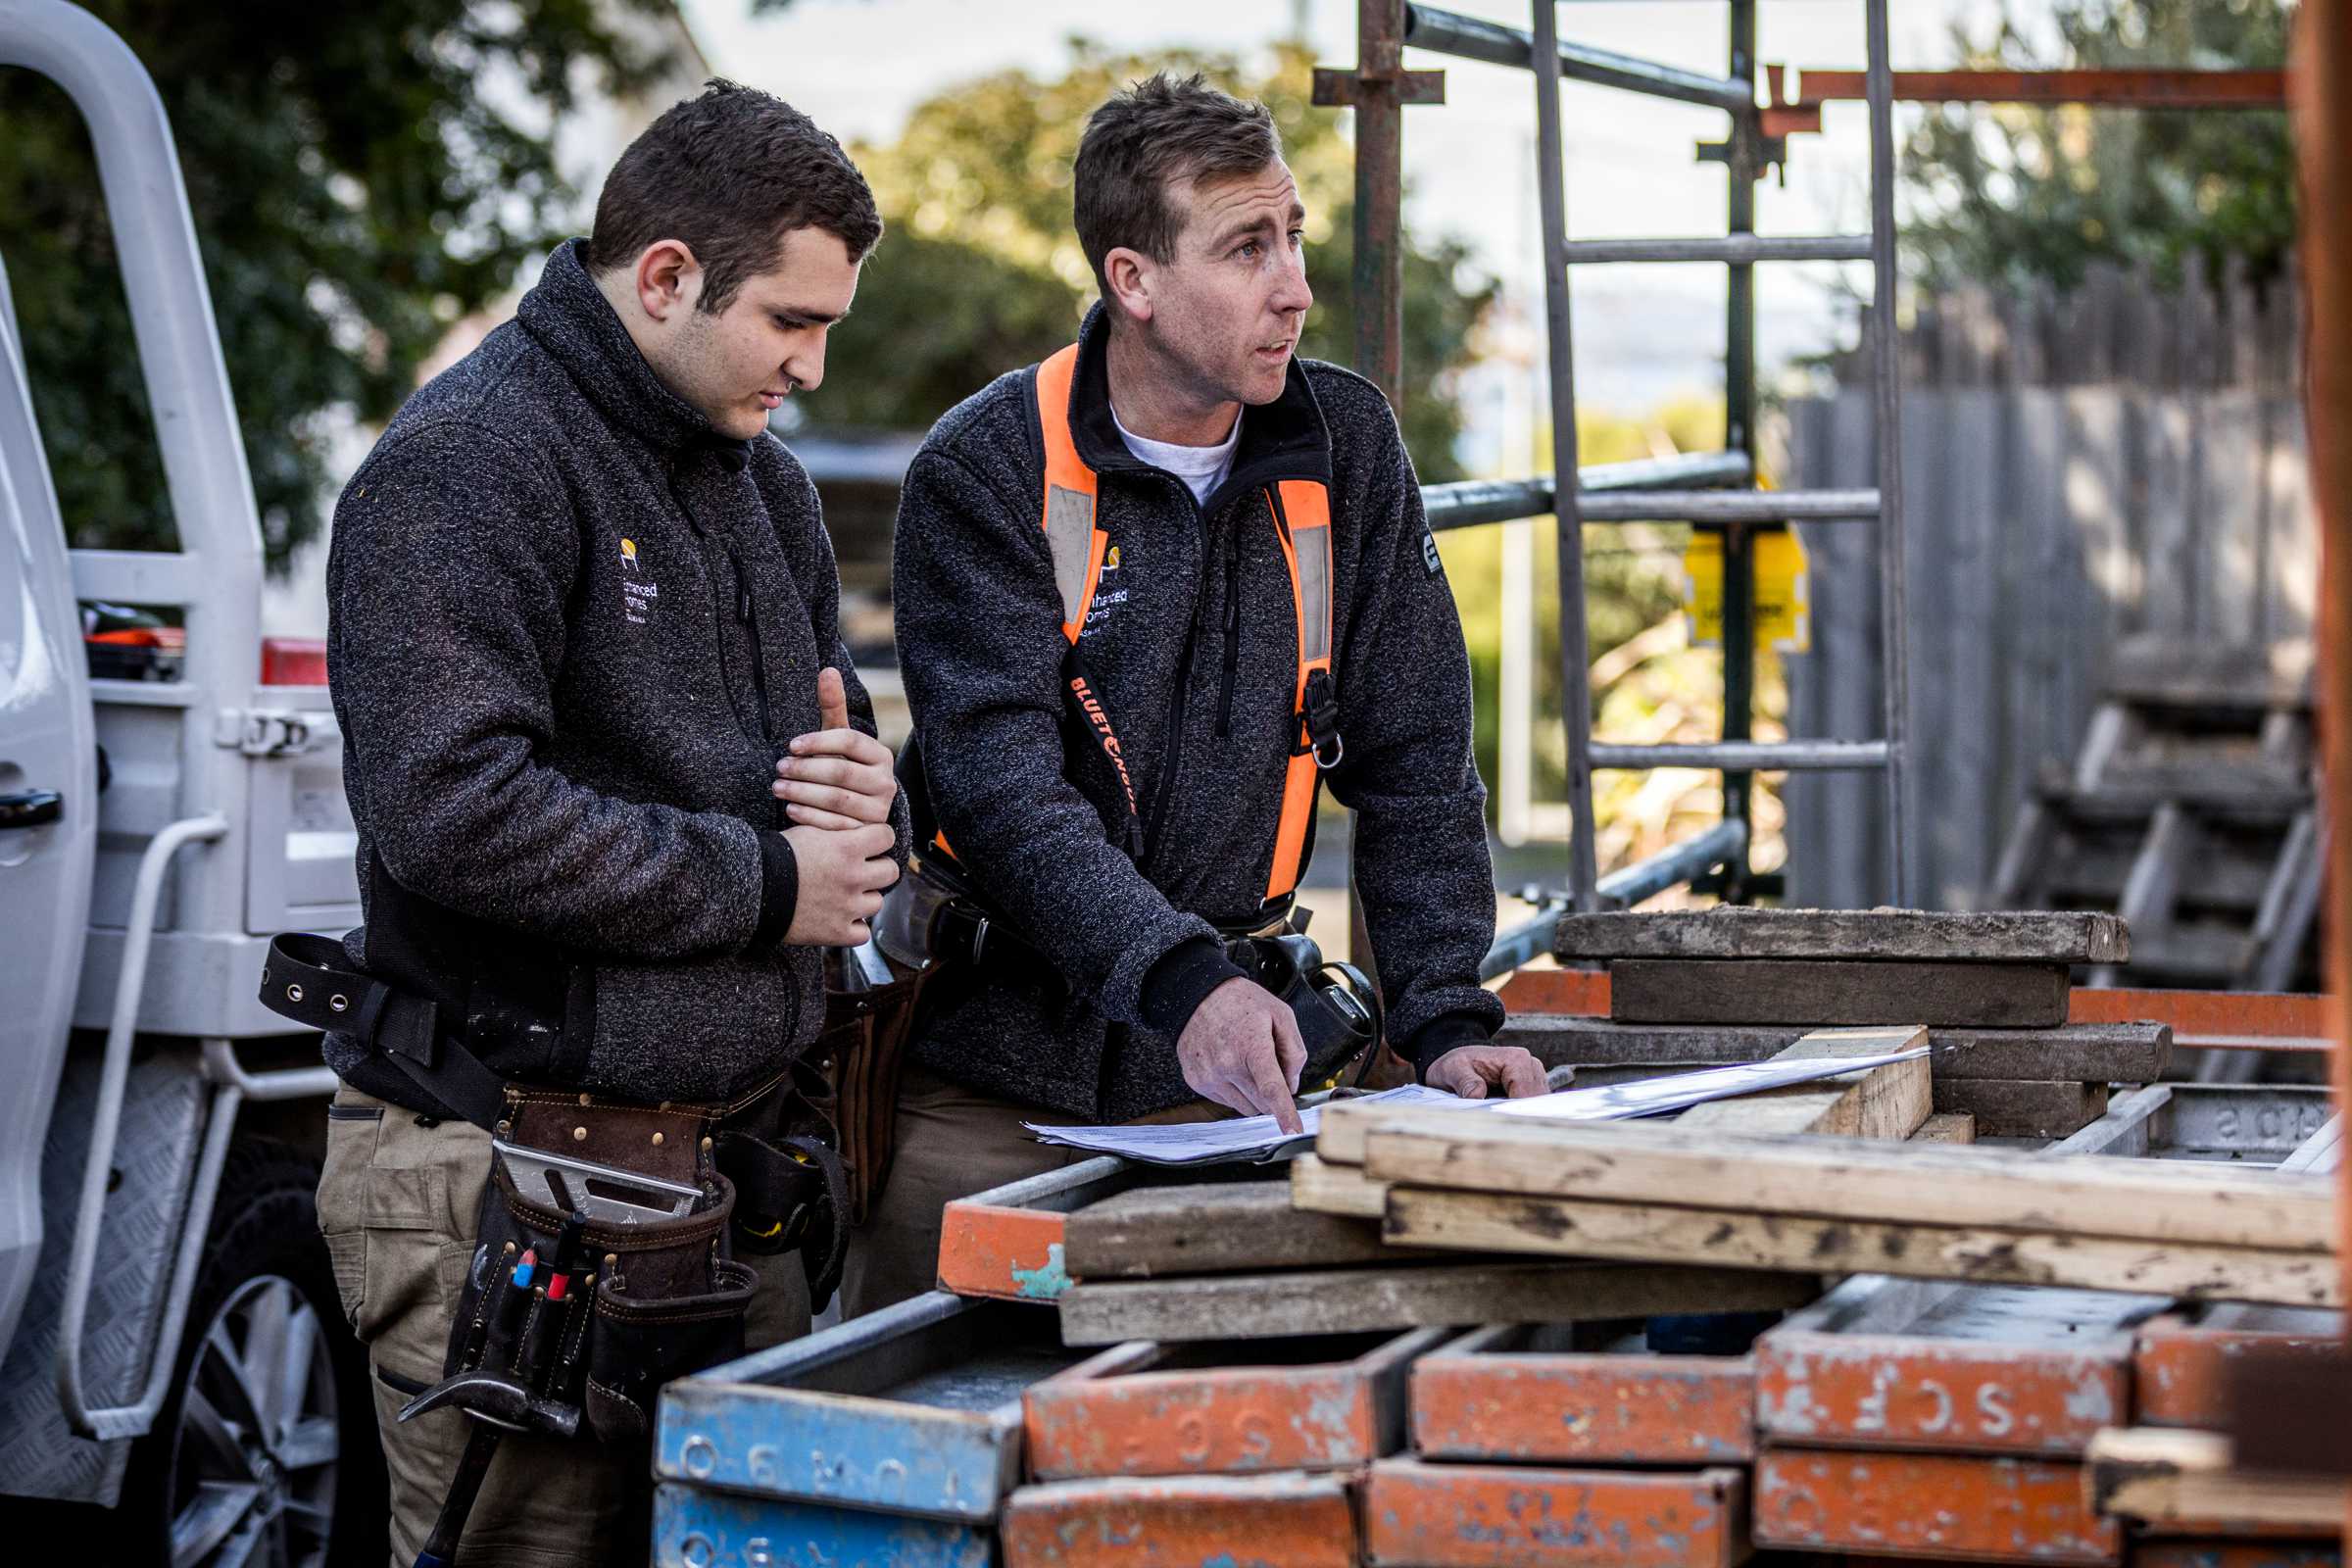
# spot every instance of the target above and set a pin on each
(981, 272)
(361, 178)
(2015, 194)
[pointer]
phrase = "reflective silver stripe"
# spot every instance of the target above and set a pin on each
(1313, 549)
(1070, 535)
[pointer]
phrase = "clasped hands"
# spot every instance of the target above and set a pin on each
(837, 787)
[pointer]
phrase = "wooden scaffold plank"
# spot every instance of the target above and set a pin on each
(2029, 936)
(2009, 996)
(1363, 1300)
(1564, 1227)
(1886, 1183)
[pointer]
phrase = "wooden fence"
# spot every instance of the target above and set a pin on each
(2075, 472)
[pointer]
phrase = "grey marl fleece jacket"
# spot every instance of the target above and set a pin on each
(1193, 644)
(571, 627)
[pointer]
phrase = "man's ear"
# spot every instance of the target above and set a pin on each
(669, 279)
(1128, 277)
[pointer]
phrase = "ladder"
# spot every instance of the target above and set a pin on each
(2192, 810)
(1737, 514)
(1711, 491)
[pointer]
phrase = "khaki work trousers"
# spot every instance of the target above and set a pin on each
(398, 1200)
(951, 1141)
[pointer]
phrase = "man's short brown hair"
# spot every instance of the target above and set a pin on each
(730, 171)
(1145, 139)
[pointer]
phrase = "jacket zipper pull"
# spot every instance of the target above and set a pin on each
(743, 601)
(1232, 637)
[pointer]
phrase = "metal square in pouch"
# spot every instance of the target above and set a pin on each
(606, 1193)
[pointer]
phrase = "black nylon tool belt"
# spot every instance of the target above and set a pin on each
(772, 1145)
(310, 980)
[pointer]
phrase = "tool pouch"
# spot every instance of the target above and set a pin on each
(792, 1187)
(644, 1304)
(864, 1051)
(1336, 1007)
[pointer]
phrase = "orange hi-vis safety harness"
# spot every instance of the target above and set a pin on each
(1301, 513)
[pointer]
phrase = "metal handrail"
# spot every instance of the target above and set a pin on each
(1498, 44)
(1470, 503)
(130, 984)
(222, 1066)
(1733, 505)
(1738, 249)
(1696, 854)
(1746, 757)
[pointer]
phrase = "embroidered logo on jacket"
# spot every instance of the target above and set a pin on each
(1106, 598)
(637, 593)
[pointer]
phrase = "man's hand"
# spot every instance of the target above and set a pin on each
(842, 875)
(836, 777)
(1468, 1070)
(1241, 1050)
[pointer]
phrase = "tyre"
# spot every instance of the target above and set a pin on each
(265, 1453)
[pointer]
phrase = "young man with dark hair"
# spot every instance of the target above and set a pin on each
(615, 782)
(1146, 592)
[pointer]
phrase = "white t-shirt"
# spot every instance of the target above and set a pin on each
(1201, 468)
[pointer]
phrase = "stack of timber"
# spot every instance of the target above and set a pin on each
(1690, 990)
(1238, 1260)
(1889, 1101)
(1673, 1194)
(1894, 1418)
(1259, 1409)
(1232, 1261)
(2189, 811)
(954, 1432)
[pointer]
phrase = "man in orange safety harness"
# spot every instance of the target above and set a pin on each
(1151, 594)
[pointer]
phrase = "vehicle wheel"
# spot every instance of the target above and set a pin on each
(265, 1453)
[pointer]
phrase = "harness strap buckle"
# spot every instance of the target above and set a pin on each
(1320, 716)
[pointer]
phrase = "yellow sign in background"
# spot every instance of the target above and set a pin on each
(1784, 612)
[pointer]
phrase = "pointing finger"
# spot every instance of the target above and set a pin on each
(1524, 1076)
(1266, 1078)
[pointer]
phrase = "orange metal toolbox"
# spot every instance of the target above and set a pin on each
(1505, 1394)
(1149, 1410)
(2177, 1365)
(1489, 1516)
(1280, 1521)
(1968, 1508)
(1891, 1363)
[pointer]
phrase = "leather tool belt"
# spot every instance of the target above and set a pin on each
(638, 1211)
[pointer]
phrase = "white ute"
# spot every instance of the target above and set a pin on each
(178, 1380)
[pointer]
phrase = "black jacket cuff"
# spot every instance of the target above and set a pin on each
(779, 893)
(1181, 979)
(1439, 1036)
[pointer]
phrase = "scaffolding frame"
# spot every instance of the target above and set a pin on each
(1711, 491)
